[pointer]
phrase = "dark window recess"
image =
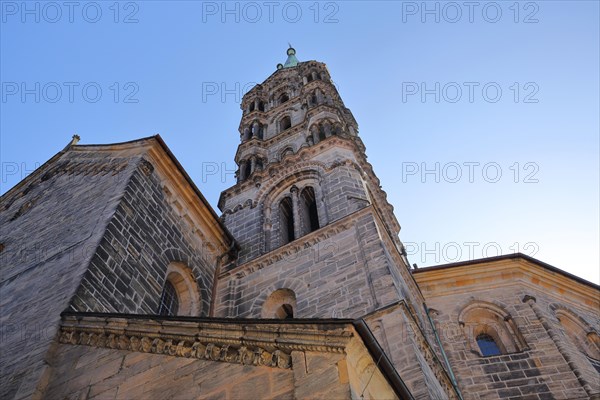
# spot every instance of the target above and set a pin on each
(287, 220)
(309, 210)
(488, 345)
(595, 364)
(169, 302)
(286, 123)
(286, 311)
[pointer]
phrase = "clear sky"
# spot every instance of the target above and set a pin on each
(480, 118)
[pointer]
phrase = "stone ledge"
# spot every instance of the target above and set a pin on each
(297, 245)
(260, 344)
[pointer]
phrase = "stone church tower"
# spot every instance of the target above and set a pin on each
(317, 236)
(306, 195)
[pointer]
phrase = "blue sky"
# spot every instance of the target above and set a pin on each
(497, 100)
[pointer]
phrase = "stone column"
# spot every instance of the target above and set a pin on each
(327, 129)
(243, 170)
(252, 164)
(321, 208)
(319, 96)
(532, 302)
(315, 133)
(268, 228)
(296, 212)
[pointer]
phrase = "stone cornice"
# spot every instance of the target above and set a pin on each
(282, 136)
(207, 227)
(274, 80)
(504, 272)
(266, 344)
(297, 245)
(305, 153)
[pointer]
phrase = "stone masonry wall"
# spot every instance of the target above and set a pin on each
(128, 270)
(539, 372)
(51, 225)
(94, 374)
(342, 194)
(405, 348)
(340, 271)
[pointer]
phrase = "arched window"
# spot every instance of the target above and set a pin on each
(580, 334)
(285, 123)
(309, 215)
(247, 133)
(246, 170)
(257, 130)
(283, 98)
(261, 106)
(487, 345)
(490, 330)
(337, 130)
(287, 151)
(313, 99)
(322, 135)
(286, 218)
(169, 302)
(251, 108)
(280, 304)
(180, 294)
(309, 77)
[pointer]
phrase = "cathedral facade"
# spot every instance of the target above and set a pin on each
(119, 281)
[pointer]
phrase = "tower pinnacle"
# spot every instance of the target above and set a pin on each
(291, 61)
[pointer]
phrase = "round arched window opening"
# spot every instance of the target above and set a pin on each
(281, 304)
(169, 301)
(585, 339)
(487, 345)
(285, 123)
(180, 295)
(490, 330)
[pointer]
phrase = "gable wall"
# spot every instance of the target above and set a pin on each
(549, 366)
(146, 234)
(51, 225)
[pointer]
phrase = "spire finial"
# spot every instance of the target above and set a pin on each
(291, 61)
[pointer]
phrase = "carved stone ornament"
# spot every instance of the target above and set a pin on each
(244, 355)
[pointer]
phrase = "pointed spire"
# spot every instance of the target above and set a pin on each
(291, 61)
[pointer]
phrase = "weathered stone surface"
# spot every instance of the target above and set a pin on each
(548, 364)
(51, 224)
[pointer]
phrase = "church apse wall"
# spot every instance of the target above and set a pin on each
(512, 330)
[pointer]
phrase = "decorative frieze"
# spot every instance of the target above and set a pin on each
(263, 344)
(245, 355)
